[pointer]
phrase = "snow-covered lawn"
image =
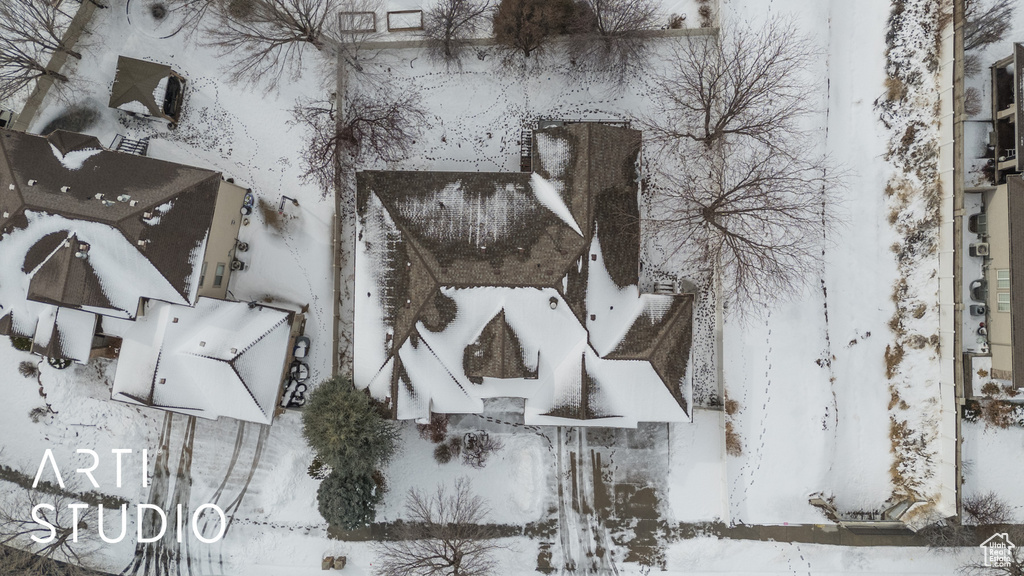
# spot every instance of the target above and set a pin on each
(990, 464)
(709, 556)
(808, 375)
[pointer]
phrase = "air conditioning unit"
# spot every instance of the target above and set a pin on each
(978, 309)
(979, 249)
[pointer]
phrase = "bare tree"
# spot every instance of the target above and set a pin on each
(443, 535)
(448, 24)
(757, 216)
(986, 21)
(382, 127)
(607, 36)
(750, 82)
(17, 527)
(268, 39)
(38, 24)
(524, 26)
(20, 65)
(987, 508)
(30, 31)
(736, 185)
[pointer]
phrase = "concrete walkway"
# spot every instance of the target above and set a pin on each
(57, 60)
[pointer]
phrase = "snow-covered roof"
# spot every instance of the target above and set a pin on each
(139, 86)
(88, 228)
(63, 333)
(518, 285)
(218, 358)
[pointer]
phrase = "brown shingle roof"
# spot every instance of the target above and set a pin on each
(135, 81)
(496, 353)
(107, 187)
(468, 230)
(498, 235)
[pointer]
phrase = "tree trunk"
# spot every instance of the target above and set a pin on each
(55, 75)
(716, 280)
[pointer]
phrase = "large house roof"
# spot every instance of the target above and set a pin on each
(89, 228)
(510, 284)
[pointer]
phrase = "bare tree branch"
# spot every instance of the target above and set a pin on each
(30, 30)
(20, 66)
(986, 21)
(381, 127)
(17, 528)
(444, 535)
(449, 23)
(750, 83)
(607, 36)
(190, 14)
(37, 23)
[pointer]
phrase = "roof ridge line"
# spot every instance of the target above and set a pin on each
(266, 333)
(442, 363)
(246, 387)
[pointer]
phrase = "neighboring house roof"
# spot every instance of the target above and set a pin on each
(218, 358)
(88, 228)
(1015, 216)
(139, 82)
(525, 285)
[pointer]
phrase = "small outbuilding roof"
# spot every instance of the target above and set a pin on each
(136, 81)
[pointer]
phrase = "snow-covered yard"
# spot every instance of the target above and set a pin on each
(990, 464)
(808, 375)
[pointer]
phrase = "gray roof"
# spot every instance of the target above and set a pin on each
(185, 197)
(1015, 215)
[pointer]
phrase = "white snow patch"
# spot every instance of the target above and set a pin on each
(550, 199)
(76, 158)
